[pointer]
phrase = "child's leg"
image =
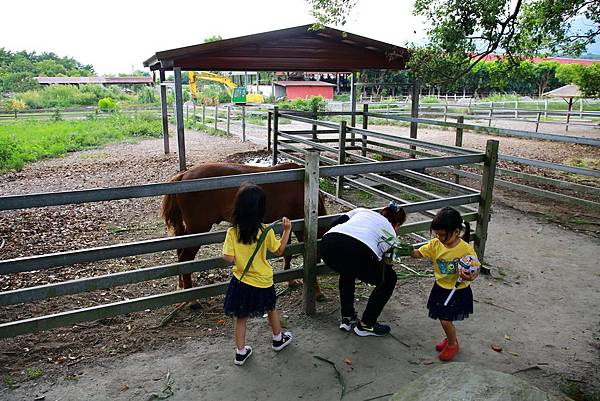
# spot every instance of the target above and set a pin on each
(240, 332)
(274, 321)
(450, 331)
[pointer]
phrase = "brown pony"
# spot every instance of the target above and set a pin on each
(196, 212)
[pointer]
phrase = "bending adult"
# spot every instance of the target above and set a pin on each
(354, 247)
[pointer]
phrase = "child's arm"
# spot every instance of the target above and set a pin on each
(287, 228)
(229, 258)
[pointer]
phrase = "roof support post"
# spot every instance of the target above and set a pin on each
(179, 118)
(353, 104)
(164, 111)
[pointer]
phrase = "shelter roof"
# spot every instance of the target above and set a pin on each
(565, 91)
(302, 83)
(293, 49)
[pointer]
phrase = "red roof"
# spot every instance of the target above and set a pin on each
(559, 60)
(302, 83)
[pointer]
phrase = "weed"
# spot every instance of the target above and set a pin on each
(326, 185)
(579, 391)
(34, 373)
(9, 381)
(377, 157)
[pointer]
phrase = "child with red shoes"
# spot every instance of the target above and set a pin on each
(451, 298)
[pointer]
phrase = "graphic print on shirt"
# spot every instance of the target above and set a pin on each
(448, 266)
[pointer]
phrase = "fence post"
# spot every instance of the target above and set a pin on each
(216, 116)
(414, 113)
(365, 125)
(314, 126)
(243, 123)
(446, 111)
(580, 108)
(516, 109)
(485, 199)
(459, 140)
(341, 158)
(311, 225)
(545, 108)
(537, 121)
(269, 122)
(275, 131)
(203, 114)
(228, 118)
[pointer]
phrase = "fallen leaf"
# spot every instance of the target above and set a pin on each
(348, 361)
(124, 387)
(507, 337)
(428, 362)
(513, 353)
(221, 322)
(496, 348)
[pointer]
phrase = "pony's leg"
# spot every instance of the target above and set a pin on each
(184, 255)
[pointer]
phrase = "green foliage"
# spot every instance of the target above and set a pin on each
(313, 103)
(106, 104)
(590, 81)
(214, 38)
(17, 69)
(26, 141)
(13, 105)
(429, 99)
(462, 33)
(64, 96)
(147, 95)
(34, 373)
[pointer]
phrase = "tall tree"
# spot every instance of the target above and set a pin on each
(463, 33)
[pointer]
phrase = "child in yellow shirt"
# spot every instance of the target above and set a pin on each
(447, 251)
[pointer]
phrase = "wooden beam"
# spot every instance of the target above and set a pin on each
(179, 119)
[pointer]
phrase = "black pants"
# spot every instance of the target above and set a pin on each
(353, 259)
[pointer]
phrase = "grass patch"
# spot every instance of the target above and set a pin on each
(326, 185)
(26, 141)
(34, 373)
(579, 391)
(9, 381)
(584, 163)
(210, 130)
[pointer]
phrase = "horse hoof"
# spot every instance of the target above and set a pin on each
(294, 283)
(321, 297)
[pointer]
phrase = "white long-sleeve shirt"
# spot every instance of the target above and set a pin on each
(368, 227)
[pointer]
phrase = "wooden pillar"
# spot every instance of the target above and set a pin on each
(353, 104)
(179, 119)
(365, 125)
(537, 121)
(311, 225)
(314, 116)
(414, 111)
(216, 117)
(341, 158)
(485, 200)
(275, 131)
(203, 114)
(164, 111)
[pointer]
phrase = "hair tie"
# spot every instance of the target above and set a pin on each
(394, 207)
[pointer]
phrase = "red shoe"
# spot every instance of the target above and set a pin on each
(448, 353)
(441, 345)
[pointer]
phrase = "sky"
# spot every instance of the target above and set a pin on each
(117, 36)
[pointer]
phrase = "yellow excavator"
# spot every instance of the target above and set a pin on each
(239, 94)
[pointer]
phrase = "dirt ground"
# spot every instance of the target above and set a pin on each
(540, 304)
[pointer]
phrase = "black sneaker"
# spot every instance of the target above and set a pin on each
(348, 322)
(240, 359)
(374, 330)
(286, 339)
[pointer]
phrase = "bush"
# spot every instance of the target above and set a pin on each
(147, 95)
(106, 104)
(312, 103)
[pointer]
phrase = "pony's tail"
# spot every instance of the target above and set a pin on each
(171, 213)
(467, 235)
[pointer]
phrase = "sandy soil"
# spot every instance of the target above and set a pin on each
(540, 304)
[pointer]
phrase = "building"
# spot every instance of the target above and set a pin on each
(302, 89)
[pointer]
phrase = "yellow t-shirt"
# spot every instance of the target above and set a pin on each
(260, 273)
(445, 261)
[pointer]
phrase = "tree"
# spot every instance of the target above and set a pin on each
(463, 33)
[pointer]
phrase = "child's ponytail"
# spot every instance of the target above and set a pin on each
(467, 234)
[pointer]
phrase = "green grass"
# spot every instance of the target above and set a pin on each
(26, 141)
(34, 373)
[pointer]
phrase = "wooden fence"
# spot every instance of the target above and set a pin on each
(73, 113)
(381, 144)
(311, 175)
